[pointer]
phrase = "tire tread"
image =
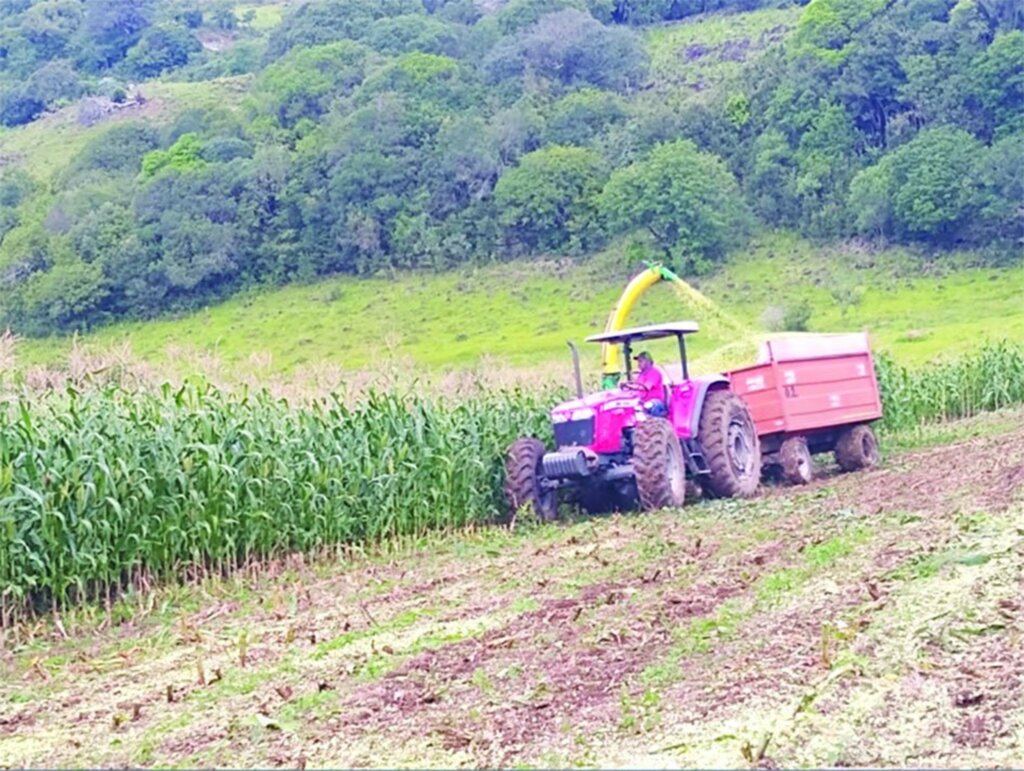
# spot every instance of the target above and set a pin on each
(714, 437)
(523, 459)
(650, 459)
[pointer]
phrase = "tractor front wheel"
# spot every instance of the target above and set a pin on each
(658, 464)
(730, 444)
(524, 480)
(857, 448)
(797, 464)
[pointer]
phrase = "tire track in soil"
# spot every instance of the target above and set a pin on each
(322, 607)
(581, 669)
(982, 670)
(780, 652)
(961, 689)
(585, 649)
(584, 676)
(783, 657)
(985, 473)
(987, 686)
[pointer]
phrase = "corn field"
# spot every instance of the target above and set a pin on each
(100, 491)
(109, 489)
(988, 379)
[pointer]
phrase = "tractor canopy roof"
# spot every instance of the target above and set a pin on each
(651, 332)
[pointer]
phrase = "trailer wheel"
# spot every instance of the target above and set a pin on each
(524, 476)
(857, 448)
(731, 447)
(658, 464)
(797, 464)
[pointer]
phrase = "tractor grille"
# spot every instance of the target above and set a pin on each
(574, 433)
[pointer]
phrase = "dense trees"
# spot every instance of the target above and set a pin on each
(844, 139)
(161, 47)
(407, 134)
(55, 50)
(923, 188)
(942, 184)
(302, 84)
(572, 48)
(109, 29)
(547, 202)
(686, 199)
(327, 21)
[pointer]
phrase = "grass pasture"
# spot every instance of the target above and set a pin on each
(520, 315)
(705, 53)
(264, 16)
(47, 145)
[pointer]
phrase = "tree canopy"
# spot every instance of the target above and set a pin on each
(687, 199)
(384, 134)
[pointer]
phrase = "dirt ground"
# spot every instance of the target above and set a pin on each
(872, 619)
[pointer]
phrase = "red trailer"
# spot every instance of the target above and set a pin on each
(810, 394)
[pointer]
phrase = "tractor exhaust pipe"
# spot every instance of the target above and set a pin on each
(576, 369)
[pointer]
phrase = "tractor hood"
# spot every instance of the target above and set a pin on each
(589, 406)
(596, 422)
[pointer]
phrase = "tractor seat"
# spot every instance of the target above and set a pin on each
(667, 384)
(672, 373)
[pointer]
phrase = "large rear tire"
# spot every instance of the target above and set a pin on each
(658, 465)
(796, 461)
(524, 476)
(857, 448)
(730, 444)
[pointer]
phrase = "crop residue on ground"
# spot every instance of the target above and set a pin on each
(869, 619)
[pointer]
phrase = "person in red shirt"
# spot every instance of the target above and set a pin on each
(650, 384)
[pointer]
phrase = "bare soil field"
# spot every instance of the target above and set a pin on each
(872, 619)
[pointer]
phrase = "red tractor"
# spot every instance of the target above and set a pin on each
(611, 454)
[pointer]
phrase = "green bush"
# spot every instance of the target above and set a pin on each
(548, 201)
(797, 316)
(687, 199)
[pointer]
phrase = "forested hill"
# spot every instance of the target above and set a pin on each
(363, 135)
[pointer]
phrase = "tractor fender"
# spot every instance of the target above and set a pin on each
(703, 386)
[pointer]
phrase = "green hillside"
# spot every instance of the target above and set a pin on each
(521, 314)
(47, 145)
(340, 180)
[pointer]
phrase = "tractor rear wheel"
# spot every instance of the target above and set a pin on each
(797, 464)
(658, 464)
(524, 480)
(730, 444)
(857, 448)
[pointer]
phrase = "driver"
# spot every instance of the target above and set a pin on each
(650, 384)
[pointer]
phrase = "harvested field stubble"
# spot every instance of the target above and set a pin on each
(870, 619)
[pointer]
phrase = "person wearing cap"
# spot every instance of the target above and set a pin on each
(650, 384)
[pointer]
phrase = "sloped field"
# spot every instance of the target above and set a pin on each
(871, 619)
